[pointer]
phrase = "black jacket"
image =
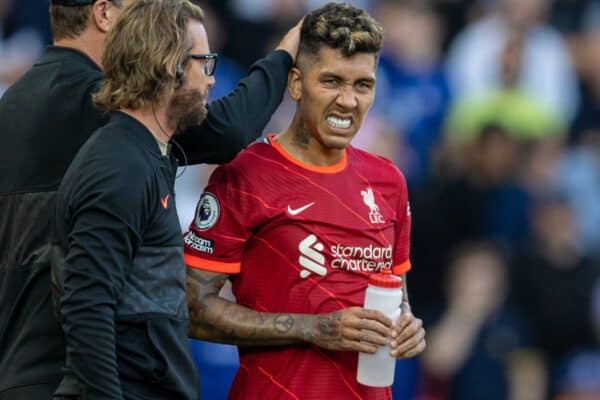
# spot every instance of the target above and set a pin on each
(45, 117)
(118, 270)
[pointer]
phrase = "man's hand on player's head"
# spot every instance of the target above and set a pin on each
(350, 329)
(291, 40)
(408, 335)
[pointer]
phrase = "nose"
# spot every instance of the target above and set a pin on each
(346, 97)
(211, 81)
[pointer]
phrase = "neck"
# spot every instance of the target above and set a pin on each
(302, 145)
(154, 119)
(88, 43)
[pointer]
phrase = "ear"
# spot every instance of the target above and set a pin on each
(294, 85)
(104, 14)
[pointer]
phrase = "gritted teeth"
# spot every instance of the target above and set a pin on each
(338, 122)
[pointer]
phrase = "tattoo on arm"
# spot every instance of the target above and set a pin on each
(283, 323)
(219, 320)
(329, 326)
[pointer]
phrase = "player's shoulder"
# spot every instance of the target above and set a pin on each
(373, 164)
(251, 154)
(253, 164)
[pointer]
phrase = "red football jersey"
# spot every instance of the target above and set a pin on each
(301, 239)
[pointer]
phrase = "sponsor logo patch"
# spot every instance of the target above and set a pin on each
(361, 258)
(369, 258)
(199, 243)
(311, 257)
(207, 211)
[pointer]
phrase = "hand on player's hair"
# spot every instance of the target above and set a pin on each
(291, 40)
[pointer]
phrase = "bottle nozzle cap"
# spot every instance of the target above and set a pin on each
(385, 279)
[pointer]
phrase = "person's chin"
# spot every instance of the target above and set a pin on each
(337, 142)
(339, 139)
(195, 118)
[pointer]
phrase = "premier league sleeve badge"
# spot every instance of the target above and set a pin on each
(207, 211)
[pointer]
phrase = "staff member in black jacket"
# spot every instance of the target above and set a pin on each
(117, 262)
(44, 119)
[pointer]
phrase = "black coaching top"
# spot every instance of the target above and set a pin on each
(45, 117)
(117, 269)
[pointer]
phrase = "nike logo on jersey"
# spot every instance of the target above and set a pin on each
(311, 257)
(296, 211)
(165, 201)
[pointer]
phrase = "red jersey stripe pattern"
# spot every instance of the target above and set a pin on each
(301, 240)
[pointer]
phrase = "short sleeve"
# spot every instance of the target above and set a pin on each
(223, 221)
(402, 234)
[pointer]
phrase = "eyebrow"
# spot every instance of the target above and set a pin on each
(369, 79)
(330, 75)
(325, 75)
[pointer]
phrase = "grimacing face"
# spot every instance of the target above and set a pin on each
(334, 96)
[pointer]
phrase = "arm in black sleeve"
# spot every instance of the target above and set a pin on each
(105, 213)
(235, 120)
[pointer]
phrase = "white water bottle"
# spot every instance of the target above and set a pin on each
(384, 294)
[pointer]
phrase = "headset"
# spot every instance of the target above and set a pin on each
(179, 82)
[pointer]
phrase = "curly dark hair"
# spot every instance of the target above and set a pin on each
(342, 27)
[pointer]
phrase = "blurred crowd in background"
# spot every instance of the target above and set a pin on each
(491, 108)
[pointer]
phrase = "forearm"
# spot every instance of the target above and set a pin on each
(219, 320)
(235, 120)
(88, 324)
(351, 329)
(248, 109)
(91, 282)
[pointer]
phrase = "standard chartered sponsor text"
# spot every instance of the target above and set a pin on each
(361, 258)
